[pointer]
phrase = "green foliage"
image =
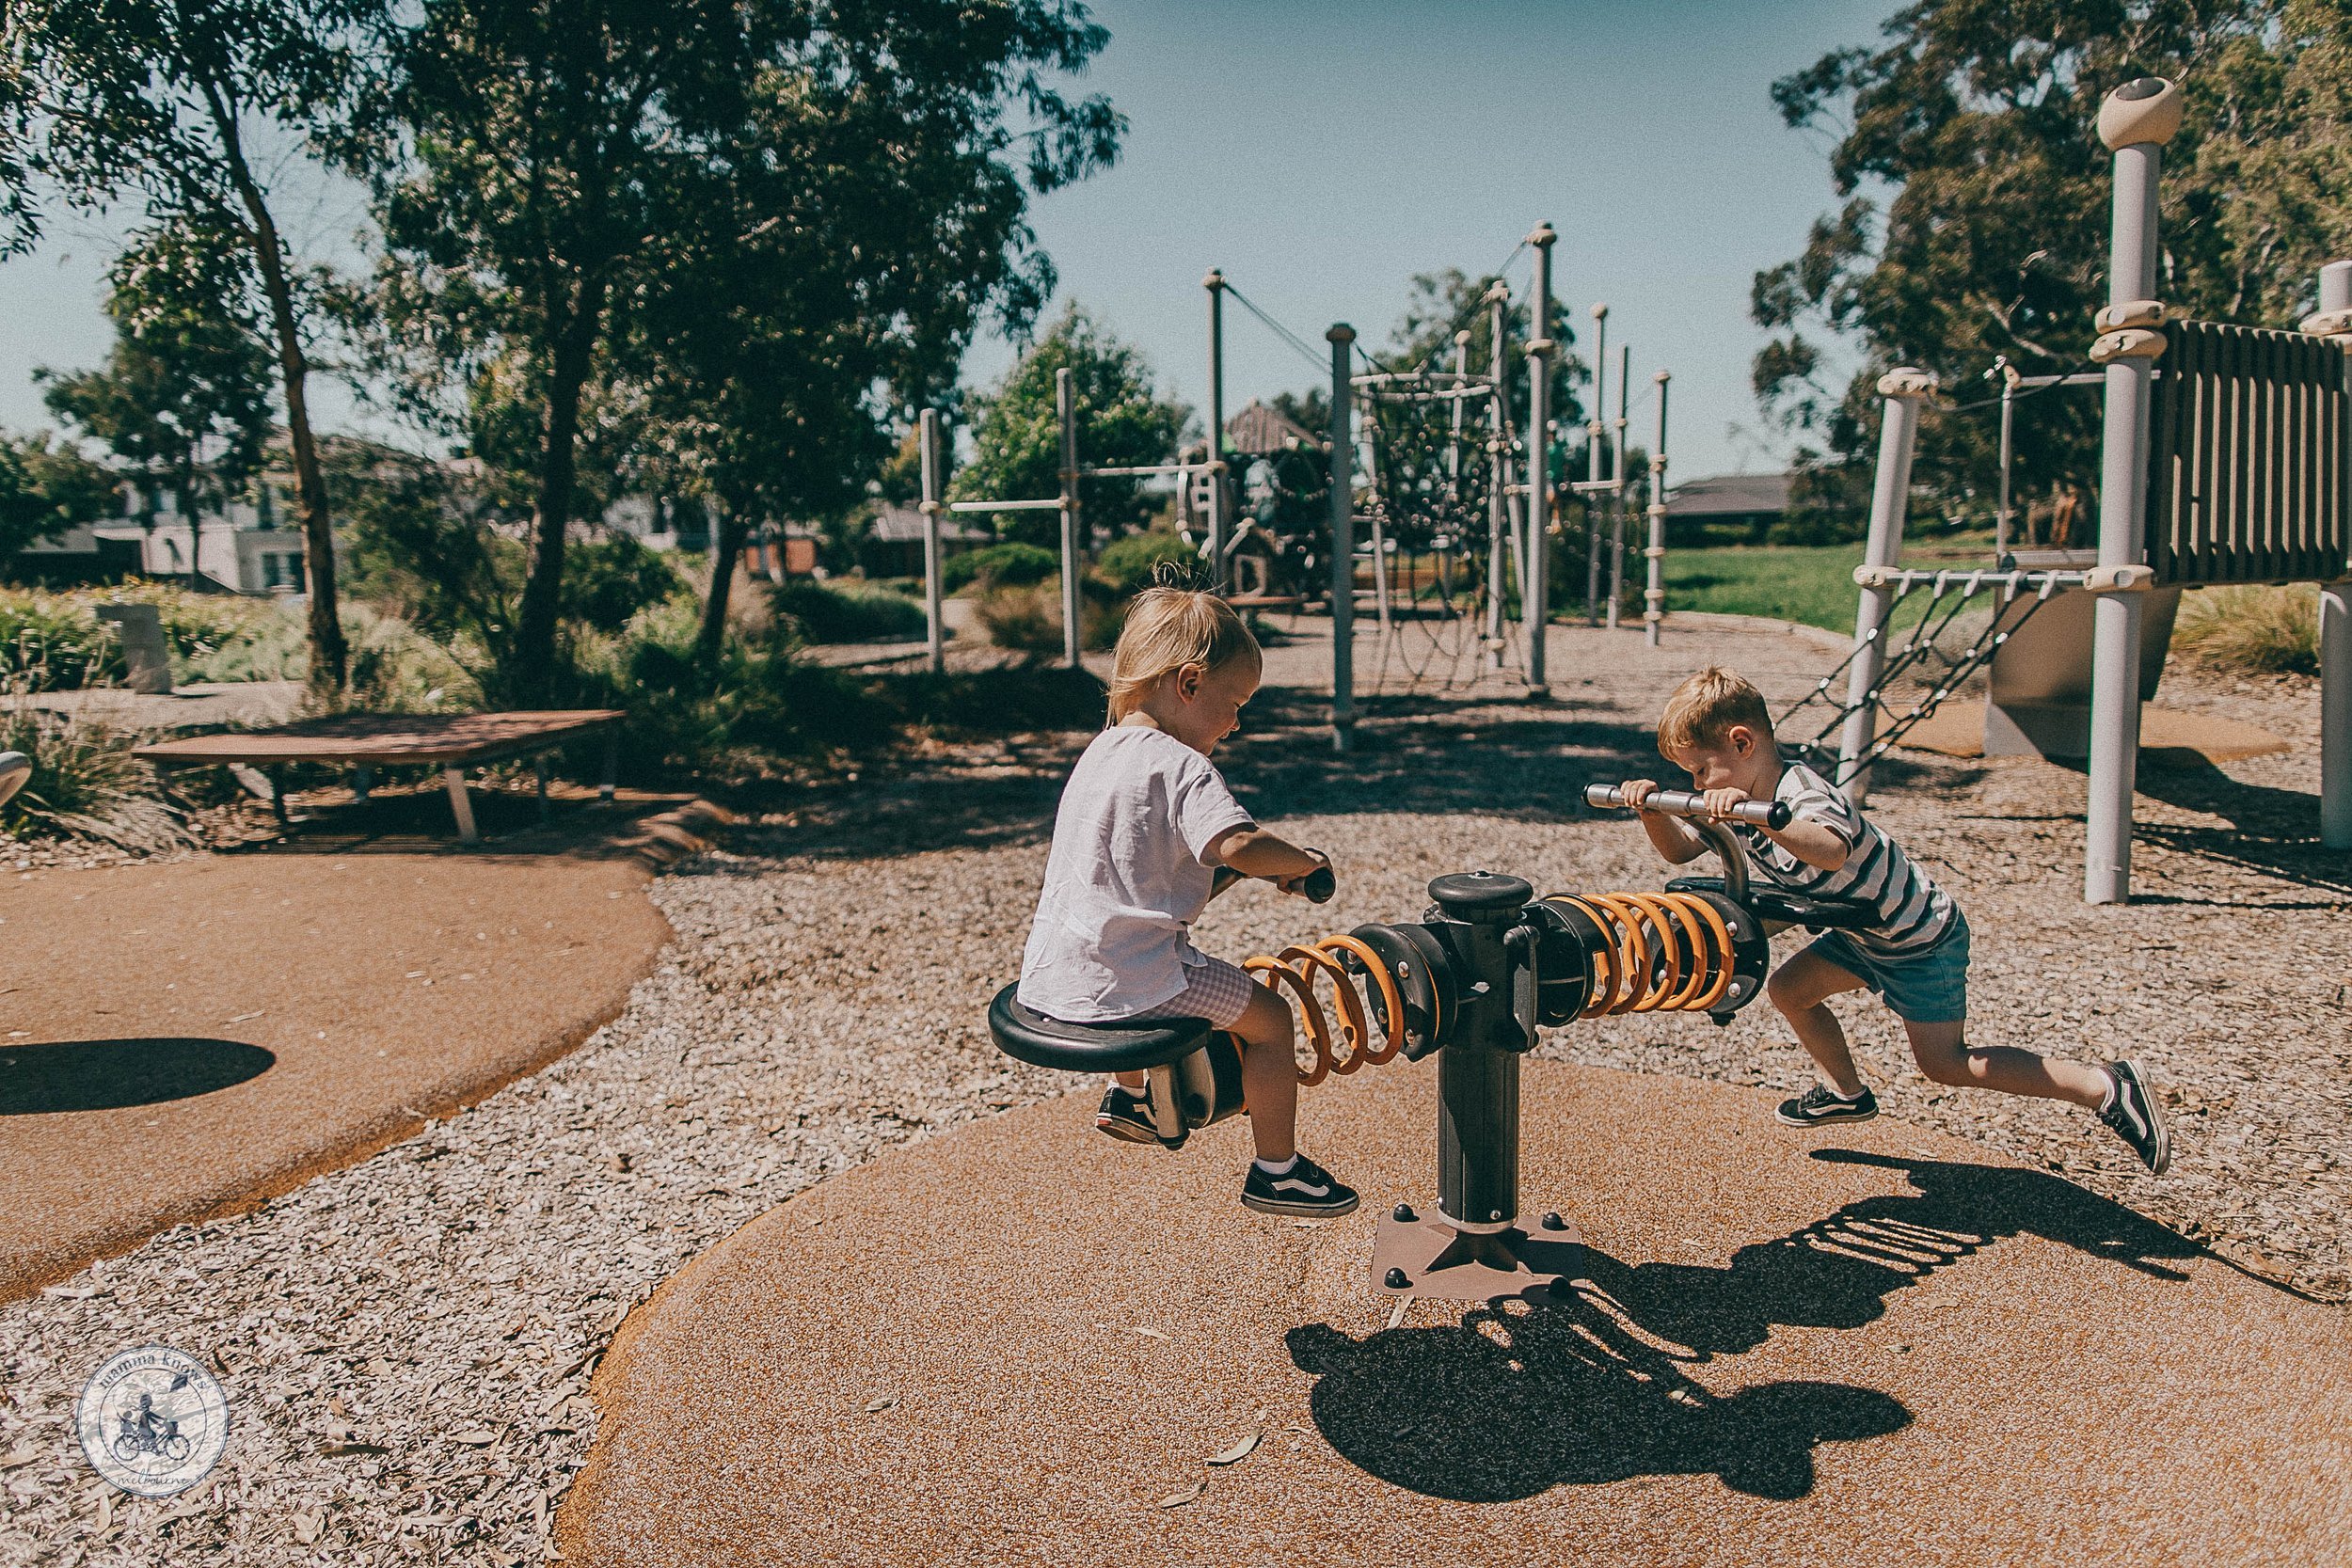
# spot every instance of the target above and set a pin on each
(1011, 565)
(846, 611)
(759, 213)
(2250, 630)
(184, 397)
(85, 785)
(1133, 564)
(1976, 116)
(1029, 618)
(1121, 424)
(46, 487)
(1813, 585)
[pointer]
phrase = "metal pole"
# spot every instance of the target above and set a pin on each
(1066, 405)
(927, 438)
(1535, 589)
(2335, 626)
(1343, 341)
(2136, 122)
(1617, 501)
(1498, 472)
(1904, 390)
(1454, 448)
(2007, 373)
(1654, 594)
(1214, 283)
(1592, 428)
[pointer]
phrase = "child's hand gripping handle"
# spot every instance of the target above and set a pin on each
(1319, 886)
(1682, 802)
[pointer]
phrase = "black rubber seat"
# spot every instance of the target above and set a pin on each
(1770, 903)
(1091, 1047)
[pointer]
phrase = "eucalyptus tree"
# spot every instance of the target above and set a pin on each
(1122, 422)
(47, 487)
(183, 395)
(1973, 210)
(562, 171)
(179, 106)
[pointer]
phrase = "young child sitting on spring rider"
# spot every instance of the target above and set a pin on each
(1145, 825)
(1914, 952)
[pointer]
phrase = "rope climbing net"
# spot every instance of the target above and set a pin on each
(1920, 671)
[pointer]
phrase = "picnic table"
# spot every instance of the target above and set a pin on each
(367, 741)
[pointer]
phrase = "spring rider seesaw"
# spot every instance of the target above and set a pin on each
(1487, 966)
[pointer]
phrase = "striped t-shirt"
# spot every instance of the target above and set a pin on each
(1913, 912)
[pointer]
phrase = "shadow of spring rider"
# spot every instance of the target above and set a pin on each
(1471, 983)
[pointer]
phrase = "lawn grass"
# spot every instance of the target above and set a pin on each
(1812, 584)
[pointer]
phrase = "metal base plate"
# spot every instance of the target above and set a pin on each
(1447, 1264)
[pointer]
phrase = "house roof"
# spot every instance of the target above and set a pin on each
(903, 525)
(1728, 495)
(1258, 429)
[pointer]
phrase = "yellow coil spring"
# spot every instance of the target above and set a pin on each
(1666, 952)
(1298, 968)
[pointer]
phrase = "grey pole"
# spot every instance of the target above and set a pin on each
(1592, 428)
(1343, 341)
(928, 442)
(1066, 405)
(1461, 380)
(1497, 473)
(1214, 283)
(1654, 594)
(2335, 617)
(1534, 590)
(1904, 390)
(1617, 501)
(2135, 123)
(2008, 373)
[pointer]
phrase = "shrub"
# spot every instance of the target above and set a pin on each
(47, 637)
(1029, 619)
(2250, 630)
(999, 565)
(1133, 564)
(845, 612)
(85, 785)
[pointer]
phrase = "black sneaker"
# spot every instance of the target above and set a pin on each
(1127, 1117)
(1822, 1103)
(2135, 1117)
(1305, 1188)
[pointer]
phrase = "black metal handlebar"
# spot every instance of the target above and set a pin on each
(1682, 802)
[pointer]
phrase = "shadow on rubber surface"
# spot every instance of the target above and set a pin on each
(1589, 1387)
(113, 1076)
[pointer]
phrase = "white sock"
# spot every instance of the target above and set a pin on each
(1849, 1098)
(1272, 1168)
(1131, 1093)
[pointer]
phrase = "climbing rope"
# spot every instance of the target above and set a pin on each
(1905, 660)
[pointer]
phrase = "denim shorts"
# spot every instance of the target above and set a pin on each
(1931, 986)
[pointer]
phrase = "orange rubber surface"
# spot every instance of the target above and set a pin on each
(184, 1037)
(1023, 1342)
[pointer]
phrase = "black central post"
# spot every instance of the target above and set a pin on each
(1473, 1249)
(1478, 1071)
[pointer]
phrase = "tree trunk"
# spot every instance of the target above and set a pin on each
(534, 664)
(724, 551)
(330, 657)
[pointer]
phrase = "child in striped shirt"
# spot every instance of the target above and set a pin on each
(1914, 952)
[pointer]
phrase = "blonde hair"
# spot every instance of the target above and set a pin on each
(1167, 630)
(1704, 708)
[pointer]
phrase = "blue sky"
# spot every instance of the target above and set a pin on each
(1322, 154)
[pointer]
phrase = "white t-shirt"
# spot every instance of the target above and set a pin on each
(1128, 874)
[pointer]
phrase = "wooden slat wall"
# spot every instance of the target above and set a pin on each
(2247, 464)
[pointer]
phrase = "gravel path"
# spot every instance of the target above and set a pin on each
(407, 1342)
